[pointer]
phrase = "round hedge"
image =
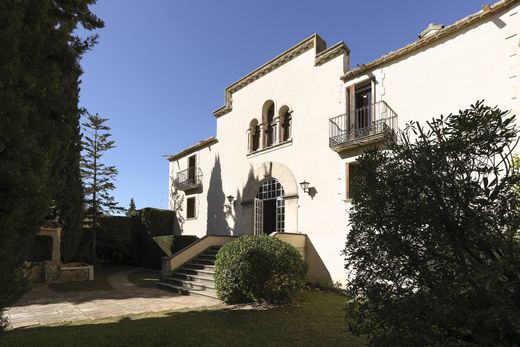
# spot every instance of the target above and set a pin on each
(258, 269)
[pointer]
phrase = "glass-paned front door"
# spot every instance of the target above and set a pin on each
(271, 216)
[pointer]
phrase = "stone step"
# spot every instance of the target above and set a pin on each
(186, 291)
(194, 277)
(198, 272)
(196, 285)
(211, 251)
(203, 261)
(207, 257)
(197, 267)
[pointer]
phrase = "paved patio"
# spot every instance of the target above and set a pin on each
(43, 306)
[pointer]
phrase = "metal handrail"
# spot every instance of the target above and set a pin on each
(191, 177)
(361, 123)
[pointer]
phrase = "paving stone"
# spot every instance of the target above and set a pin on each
(42, 306)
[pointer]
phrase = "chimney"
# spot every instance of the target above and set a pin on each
(431, 29)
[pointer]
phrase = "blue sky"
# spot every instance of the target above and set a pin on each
(160, 67)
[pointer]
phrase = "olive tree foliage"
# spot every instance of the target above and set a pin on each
(39, 91)
(434, 248)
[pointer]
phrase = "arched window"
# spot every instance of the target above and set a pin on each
(286, 123)
(254, 136)
(269, 123)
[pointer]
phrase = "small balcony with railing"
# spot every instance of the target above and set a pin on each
(188, 179)
(362, 126)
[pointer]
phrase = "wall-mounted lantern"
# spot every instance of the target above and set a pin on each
(305, 186)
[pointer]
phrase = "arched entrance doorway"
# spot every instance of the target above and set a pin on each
(251, 217)
(269, 208)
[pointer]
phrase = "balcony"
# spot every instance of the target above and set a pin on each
(363, 126)
(190, 178)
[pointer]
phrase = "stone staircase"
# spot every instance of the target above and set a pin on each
(194, 277)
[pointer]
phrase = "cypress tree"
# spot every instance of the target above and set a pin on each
(132, 210)
(39, 87)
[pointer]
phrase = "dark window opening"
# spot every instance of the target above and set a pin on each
(192, 165)
(256, 138)
(351, 183)
(271, 126)
(363, 107)
(287, 125)
(190, 208)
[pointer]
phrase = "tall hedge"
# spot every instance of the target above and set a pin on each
(152, 236)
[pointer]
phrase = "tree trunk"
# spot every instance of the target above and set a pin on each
(94, 201)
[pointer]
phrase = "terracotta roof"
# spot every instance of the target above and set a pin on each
(201, 144)
(486, 11)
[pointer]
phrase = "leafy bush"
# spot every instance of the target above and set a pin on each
(434, 243)
(258, 269)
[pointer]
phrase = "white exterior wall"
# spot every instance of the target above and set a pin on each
(478, 62)
(205, 160)
(313, 93)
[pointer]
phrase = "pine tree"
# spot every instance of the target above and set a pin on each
(132, 210)
(98, 178)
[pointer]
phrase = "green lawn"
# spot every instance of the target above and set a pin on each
(316, 319)
(100, 282)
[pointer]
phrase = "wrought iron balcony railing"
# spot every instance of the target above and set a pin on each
(190, 178)
(362, 126)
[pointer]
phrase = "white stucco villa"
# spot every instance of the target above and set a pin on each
(289, 132)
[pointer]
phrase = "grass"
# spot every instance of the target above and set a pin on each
(100, 282)
(144, 278)
(316, 319)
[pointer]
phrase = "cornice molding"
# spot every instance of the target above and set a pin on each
(331, 53)
(201, 144)
(314, 41)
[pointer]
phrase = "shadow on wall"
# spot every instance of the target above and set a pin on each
(244, 206)
(317, 272)
(217, 223)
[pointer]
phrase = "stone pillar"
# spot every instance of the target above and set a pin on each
(249, 140)
(262, 136)
(276, 130)
(166, 268)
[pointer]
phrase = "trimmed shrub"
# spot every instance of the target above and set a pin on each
(148, 250)
(258, 269)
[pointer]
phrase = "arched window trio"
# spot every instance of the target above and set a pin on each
(272, 130)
